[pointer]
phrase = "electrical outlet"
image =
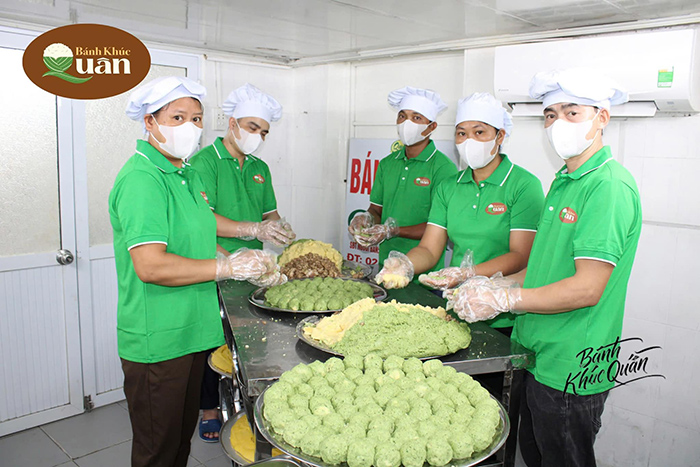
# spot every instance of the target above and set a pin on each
(221, 120)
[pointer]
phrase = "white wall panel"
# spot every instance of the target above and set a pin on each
(33, 359)
(108, 370)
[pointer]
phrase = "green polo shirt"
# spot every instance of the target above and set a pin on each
(238, 193)
(153, 201)
(481, 216)
(592, 213)
(404, 187)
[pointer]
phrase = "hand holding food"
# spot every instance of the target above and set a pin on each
(377, 233)
(256, 266)
(481, 298)
(451, 277)
(359, 222)
(397, 271)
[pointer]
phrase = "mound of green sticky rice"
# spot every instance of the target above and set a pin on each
(406, 332)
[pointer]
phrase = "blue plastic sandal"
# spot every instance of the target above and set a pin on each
(209, 426)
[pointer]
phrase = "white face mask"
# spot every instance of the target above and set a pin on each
(477, 154)
(569, 139)
(410, 133)
(248, 143)
(180, 141)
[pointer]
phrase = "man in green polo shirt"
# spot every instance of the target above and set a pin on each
(239, 184)
(239, 187)
(573, 290)
(405, 179)
(491, 208)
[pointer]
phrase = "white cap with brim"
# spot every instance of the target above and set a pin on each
(583, 86)
(423, 101)
(161, 91)
(483, 107)
(249, 101)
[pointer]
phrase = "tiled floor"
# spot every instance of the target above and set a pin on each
(101, 438)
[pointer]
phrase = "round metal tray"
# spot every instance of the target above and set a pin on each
(257, 298)
(216, 369)
(265, 429)
(225, 440)
(323, 347)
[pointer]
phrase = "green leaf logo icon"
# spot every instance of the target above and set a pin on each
(58, 58)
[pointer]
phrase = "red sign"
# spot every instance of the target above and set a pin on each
(422, 181)
(259, 179)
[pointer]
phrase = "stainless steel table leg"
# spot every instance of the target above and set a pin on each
(512, 386)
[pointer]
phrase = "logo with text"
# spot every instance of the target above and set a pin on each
(496, 208)
(259, 179)
(422, 181)
(568, 216)
(604, 365)
(86, 61)
(204, 195)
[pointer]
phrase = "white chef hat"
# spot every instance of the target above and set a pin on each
(249, 101)
(423, 101)
(155, 94)
(583, 86)
(483, 107)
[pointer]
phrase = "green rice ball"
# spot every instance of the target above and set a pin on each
(354, 361)
(449, 390)
(382, 423)
(371, 409)
(353, 431)
(312, 421)
(342, 399)
(380, 436)
(334, 377)
(317, 367)
(415, 376)
(271, 407)
(427, 428)
(303, 372)
(387, 455)
(311, 443)
(412, 364)
(373, 361)
(360, 419)
(438, 452)
(353, 373)
(421, 403)
(345, 386)
(334, 421)
(305, 390)
(435, 384)
(459, 399)
(431, 367)
(346, 411)
(461, 444)
(320, 406)
(324, 391)
(481, 433)
(364, 380)
(334, 449)
(446, 373)
(300, 412)
(316, 381)
(294, 433)
(363, 393)
(477, 395)
(360, 453)
(395, 374)
(282, 419)
(391, 362)
(279, 391)
(402, 436)
(399, 404)
(297, 400)
(413, 453)
(334, 364)
(420, 413)
(421, 389)
(373, 373)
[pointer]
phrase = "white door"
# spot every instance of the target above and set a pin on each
(40, 365)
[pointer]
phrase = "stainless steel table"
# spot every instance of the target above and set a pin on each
(264, 345)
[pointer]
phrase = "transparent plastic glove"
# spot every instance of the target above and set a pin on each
(481, 298)
(288, 228)
(359, 222)
(244, 264)
(376, 234)
(272, 231)
(397, 271)
(451, 277)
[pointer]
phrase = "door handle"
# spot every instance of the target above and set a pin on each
(64, 257)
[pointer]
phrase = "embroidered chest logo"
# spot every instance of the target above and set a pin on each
(422, 181)
(568, 216)
(496, 208)
(259, 179)
(204, 195)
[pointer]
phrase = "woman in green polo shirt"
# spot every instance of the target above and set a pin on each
(491, 208)
(167, 264)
